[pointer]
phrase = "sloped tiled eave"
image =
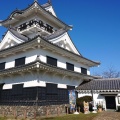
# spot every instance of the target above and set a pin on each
(40, 66)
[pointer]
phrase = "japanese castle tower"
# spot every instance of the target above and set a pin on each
(38, 60)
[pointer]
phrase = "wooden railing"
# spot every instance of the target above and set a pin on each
(40, 23)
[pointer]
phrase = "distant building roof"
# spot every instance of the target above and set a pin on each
(101, 84)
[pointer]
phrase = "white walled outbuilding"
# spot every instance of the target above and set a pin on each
(103, 91)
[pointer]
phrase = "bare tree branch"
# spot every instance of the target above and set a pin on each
(109, 73)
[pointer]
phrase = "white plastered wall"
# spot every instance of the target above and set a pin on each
(9, 40)
(117, 99)
(97, 98)
(65, 41)
(33, 80)
(50, 8)
(32, 54)
(10, 61)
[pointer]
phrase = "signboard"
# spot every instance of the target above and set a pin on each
(72, 99)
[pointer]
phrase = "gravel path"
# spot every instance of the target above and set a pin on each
(108, 116)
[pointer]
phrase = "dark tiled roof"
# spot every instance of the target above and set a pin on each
(101, 84)
(46, 5)
(14, 32)
(22, 37)
(7, 49)
(57, 34)
(54, 35)
(41, 6)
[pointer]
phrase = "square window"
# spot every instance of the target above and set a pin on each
(2, 66)
(20, 61)
(69, 66)
(51, 61)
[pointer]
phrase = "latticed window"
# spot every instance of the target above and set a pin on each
(51, 88)
(69, 66)
(17, 89)
(51, 61)
(20, 61)
(83, 70)
(2, 66)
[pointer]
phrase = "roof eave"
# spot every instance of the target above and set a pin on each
(43, 66)
(5, 22)
(51, 46)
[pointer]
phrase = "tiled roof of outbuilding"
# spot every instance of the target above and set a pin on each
(101, 84)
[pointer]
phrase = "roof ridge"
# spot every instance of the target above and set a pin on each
(21, 12)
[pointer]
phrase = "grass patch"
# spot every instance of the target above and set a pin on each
(81, 116)
(3, 118)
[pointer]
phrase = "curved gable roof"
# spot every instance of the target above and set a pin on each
(13, 35)
(46, 5)
(18, 35)
(59, 33)
(36, 4)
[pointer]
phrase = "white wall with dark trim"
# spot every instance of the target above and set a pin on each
(34, 80)
(32, 54)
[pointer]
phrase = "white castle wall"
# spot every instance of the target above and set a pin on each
(32, 54)
(33, 80)
(50, 8)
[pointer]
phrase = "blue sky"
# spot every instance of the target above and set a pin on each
(96, 27)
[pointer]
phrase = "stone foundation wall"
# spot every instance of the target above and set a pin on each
(32, 111)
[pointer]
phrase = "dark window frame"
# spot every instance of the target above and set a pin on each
(69, 66)
(2, 65)
(70, 87)
(20, 61)
(51, 61)
(83, 70)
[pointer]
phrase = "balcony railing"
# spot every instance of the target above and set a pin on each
(39, 23)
